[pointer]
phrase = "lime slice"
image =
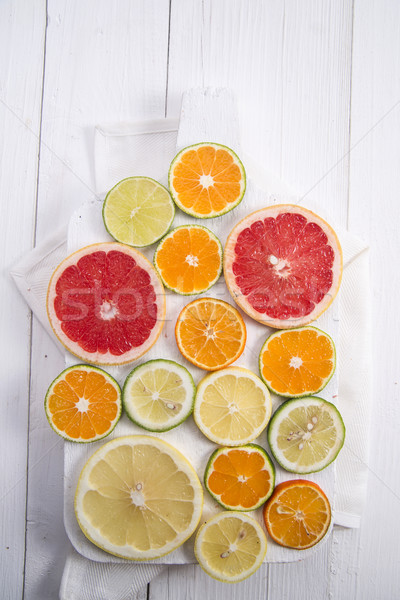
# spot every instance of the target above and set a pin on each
(158, 395)
(230, 546)
(240, 478)
(138, 211)
(306, 434)
(232, 406)
(138, 498)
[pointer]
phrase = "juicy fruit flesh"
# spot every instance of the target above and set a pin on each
(298, 362)
(158, 395)
(283, 265)
(83, 404)
(298, 517)
(307, 435)
(231, 546)
(233, 408)
(189, 260)
(207, 180)
(212, 333)
(138, 211)
(139, 497)
(240, 478)
(106, 303)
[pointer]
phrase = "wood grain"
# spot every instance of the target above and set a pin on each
(21, 73)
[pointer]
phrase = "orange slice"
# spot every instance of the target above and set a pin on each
(210, 333)
(83, 404)
(297, 362)
(189, 259)
(207, 180)
(298, 514)
(240, 478)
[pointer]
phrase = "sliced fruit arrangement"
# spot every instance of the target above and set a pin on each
(158, 395)
(83, 404)
(298, 514)
(189, 259)
(232, 407)
(138, 211)
(210, 333)
(230, 546)
(306, 434)
(283, 265)
(297, 362)
(106, 304)
(207, 180)
(240, 478)
(138, 498)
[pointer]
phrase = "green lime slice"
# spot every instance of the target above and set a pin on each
(306, 434)
(158, 395)
(138, 211)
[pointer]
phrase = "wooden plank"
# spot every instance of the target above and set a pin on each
(104, 63)
(374, 215)
(22, 27)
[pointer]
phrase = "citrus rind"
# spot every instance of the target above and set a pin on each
(308, 392)
(86, 485)
(222, 536)
(300, 433)
(185, 381)
(213, 214)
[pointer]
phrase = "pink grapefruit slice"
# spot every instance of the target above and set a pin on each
(283, 265)
(106, 304)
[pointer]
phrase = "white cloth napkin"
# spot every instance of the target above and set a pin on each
(119, 147)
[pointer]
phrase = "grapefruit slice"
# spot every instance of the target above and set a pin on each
(283, 265)
(106, 304)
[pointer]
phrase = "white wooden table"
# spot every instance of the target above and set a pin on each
(318, 87)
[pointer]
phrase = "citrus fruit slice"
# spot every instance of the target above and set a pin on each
(306, 434)
(210, 333)
(106, 304)
(283, 265)
(138, 498)
(138, 211)
(297, 362)
(158, 395)
(298, 514)
(230, 546)
(207, 180)
(189, 259)
(83, 404)
(240, 478)
(232, 406)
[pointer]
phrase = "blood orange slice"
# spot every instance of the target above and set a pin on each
(106, 304)
(283, 265)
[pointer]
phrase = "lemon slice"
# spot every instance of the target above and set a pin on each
(232, 406)
(306, 434)
(158, 395)
(230, 546)
(138, 498)
(138, 211)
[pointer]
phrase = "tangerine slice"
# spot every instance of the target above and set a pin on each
(189, 259)
(210, 333)
(298, 514)
(240, 478)
(297, 362)
(207, 180)
(83, 404)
